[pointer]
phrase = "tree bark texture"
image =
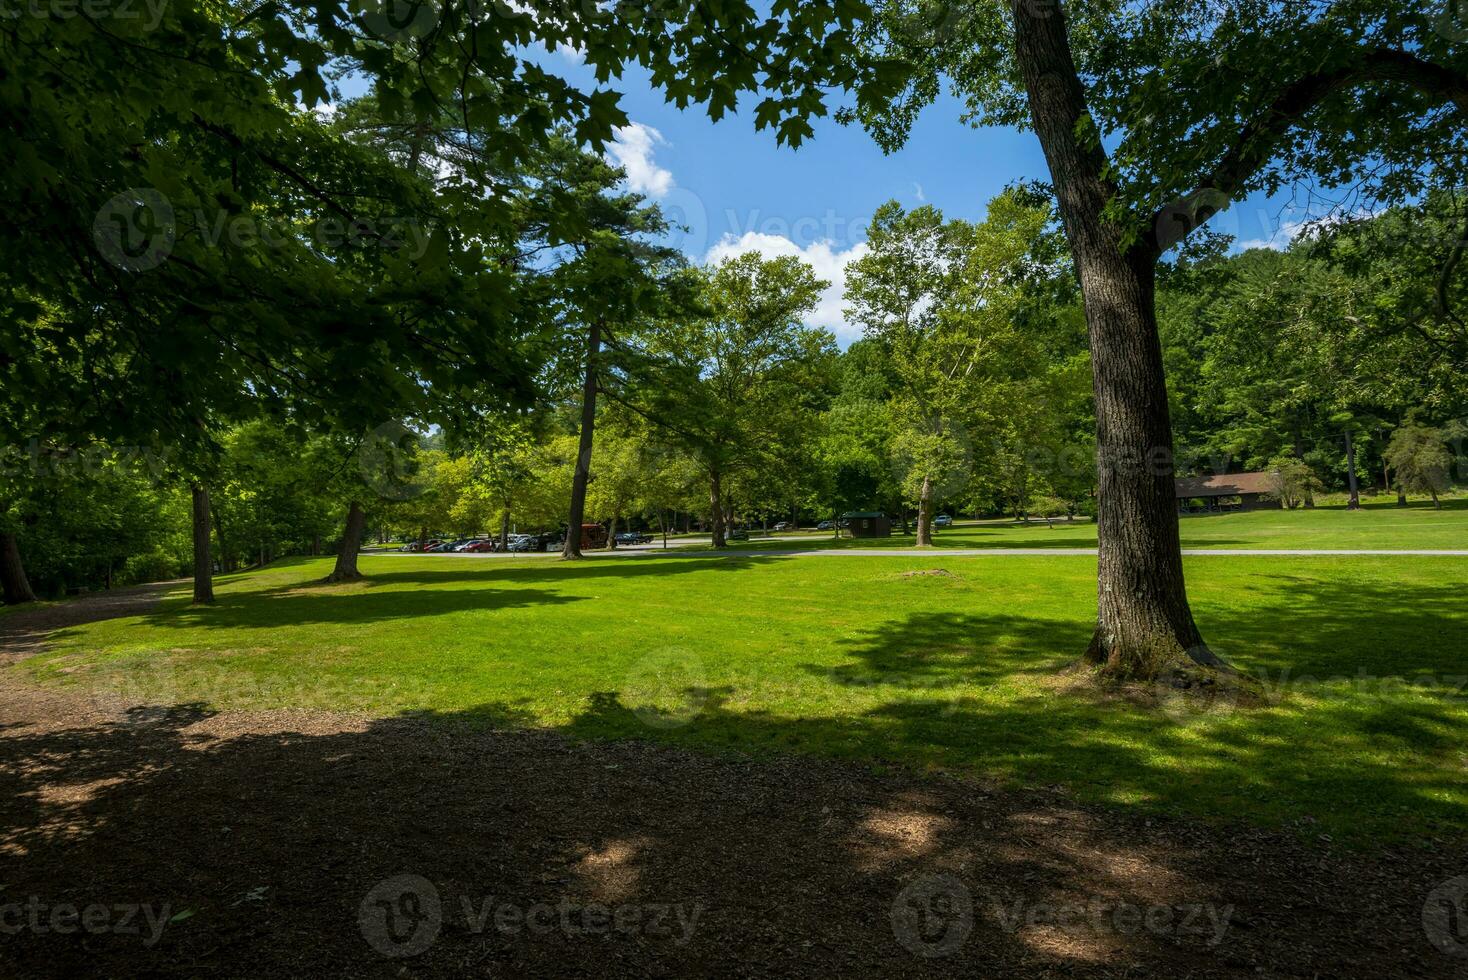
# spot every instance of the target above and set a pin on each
(13, 582)
(1143, 621)
(346, 559)
(203, 559)
(577, 516)
(925, 514)
(716, 508)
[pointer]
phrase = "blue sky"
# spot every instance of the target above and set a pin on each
(736, 190)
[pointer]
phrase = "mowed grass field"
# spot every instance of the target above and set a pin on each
(876, 659)
(1379, 524)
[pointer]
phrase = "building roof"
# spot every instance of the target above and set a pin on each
(857, 515)
(1227, 485)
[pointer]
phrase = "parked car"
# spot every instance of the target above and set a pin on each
(786, 526)
(466, 544)
(441, 548)
(826, 526)
(634, 537)
(942, 520)
(480, 547)
(738, 534)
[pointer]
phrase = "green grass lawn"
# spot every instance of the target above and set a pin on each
(1380, 524)
(850, 657)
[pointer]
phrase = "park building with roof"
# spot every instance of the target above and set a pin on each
(1230, 491)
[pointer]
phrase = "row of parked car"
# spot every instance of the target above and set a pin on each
(942, 520)
(515, 543)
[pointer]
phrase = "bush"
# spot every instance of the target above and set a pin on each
(154, 566)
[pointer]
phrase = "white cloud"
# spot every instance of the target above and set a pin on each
(1286, 230)
(633, 151)
(1283, 235)
(828, 260)
(918, 192)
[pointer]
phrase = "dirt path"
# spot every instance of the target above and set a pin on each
(201, 844)
(24, 631)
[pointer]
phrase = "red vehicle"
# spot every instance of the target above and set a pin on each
(479, 547)
(593, 536)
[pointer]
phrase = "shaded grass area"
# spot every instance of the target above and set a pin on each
(1361, 737)
(1379, 524)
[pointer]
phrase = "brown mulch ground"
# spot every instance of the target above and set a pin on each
(201, 844)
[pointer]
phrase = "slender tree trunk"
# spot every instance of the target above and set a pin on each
(925, 514)
(612, 535)
(346, 559)
(13, 582)
(505, 530)
(572, 549)
(203, 560)
(1438, 504)
(1144, 624)
(1401, 490)
(227, 561)
(1355, 502)
(716, 508)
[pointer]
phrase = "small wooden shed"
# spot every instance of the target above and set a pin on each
(868, 524)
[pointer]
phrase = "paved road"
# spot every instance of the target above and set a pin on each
(688, 549)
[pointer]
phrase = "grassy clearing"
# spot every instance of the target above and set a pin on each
(856, 658)
(1380, 524)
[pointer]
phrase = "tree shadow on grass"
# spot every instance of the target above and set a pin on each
(354, 604)
(955, 647)
(275, 846)
(1307, 626)
(412, 593)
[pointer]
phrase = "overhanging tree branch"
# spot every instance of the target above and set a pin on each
(1259, 139)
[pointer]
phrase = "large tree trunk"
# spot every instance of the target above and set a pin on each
(612, 535)
(346, 559)
(572, 549)
(505, 529)
(1143, 623)
(716, 508)
(1355, 502)
(925, 515)
(203, 560)
(13, 582)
